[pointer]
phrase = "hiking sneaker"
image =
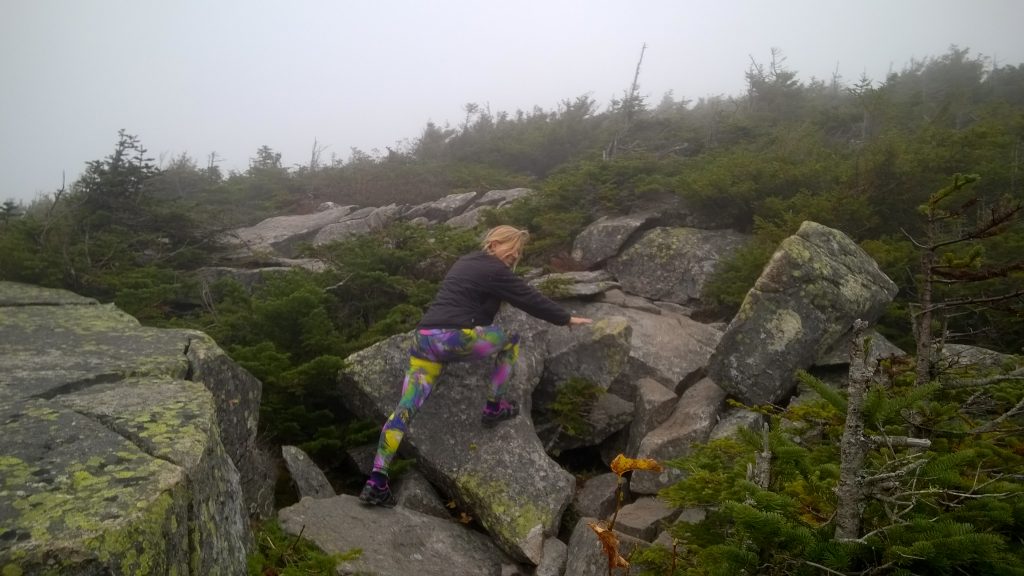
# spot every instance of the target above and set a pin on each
(375, 495)
(505, 410)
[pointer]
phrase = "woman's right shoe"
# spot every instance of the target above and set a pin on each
(374, 495)
(505, 410)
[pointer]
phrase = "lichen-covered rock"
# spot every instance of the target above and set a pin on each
(566, 285)
(667, 347)
(605, 417)
(175, 421)
(597, 352)
(604, 237)
(77, 498)
(501, 476)
(695, 415)
(114, 462)
(816, 284)
(309, 479)
(674, 264)
(393, 541)
(236, 396)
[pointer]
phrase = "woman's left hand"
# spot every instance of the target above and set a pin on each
(576, 321)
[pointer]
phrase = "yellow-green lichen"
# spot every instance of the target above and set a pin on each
(784, 327)
(510, 519)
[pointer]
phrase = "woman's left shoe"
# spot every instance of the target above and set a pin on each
(505, 410)
(375, 495)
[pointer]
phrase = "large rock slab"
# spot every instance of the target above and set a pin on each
(499, 198)
(674, 264)
(597, 352)
(442, 209)
(283, 234)
(668, 347)
(502, 476)
(78, 498)
(816, 284)
(604, 237)
(118, 456)
(359, 222)
(393, 540)
(694, 417)
(236, 397)
(176, 421)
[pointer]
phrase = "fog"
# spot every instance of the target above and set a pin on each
(229, 76)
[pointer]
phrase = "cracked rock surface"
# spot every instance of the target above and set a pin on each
(122, 446)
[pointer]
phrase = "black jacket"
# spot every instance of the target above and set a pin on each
(475, 287)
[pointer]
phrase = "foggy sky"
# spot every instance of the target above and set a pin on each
(201, 76)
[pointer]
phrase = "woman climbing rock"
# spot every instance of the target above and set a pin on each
(459, 326)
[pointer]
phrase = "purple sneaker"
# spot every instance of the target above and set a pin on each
(374, 494)
(505, 410)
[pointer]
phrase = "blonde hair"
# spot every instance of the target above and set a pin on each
(504, 235)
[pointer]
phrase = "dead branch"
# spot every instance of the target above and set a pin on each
(763, 460)
(900, 441)
(1016, 375)
(990, 426)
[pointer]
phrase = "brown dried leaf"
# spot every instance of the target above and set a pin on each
(610, 544)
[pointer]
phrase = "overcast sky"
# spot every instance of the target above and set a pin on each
(200, 76)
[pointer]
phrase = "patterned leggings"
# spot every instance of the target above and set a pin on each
(431, 349)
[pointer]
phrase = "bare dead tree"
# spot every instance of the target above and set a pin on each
(947, 225)
(57, 196)
(854, 446)
(630, 104)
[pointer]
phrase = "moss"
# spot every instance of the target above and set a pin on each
(556, 288)
(514, 520)
(572, 404)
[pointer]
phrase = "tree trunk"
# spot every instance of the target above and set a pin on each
(854, 445)
(923, 324)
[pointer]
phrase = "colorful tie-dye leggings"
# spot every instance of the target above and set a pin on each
(431, 349)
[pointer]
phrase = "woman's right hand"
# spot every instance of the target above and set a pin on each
(576, 321)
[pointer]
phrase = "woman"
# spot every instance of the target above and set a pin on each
(458, 325)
